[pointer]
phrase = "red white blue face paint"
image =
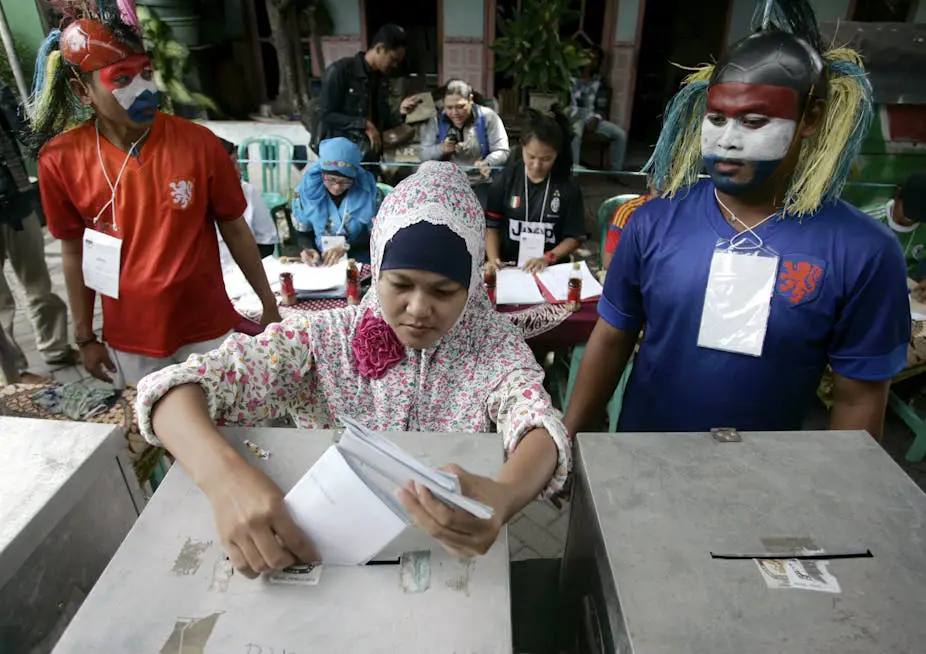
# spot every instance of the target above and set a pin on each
(747, 132)
(131, 83)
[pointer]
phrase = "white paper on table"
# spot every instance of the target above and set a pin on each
(348, 520)
(917, 309)
(514, 286)
(305, 277)
(556, 280)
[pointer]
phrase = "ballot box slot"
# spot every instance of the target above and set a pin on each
(815, 556)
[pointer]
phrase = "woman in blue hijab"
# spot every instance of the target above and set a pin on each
(334, 205)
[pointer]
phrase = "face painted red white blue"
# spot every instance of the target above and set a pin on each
(747, 132)
(131, 81)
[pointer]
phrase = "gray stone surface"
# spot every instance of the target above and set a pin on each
(65, 509)
(171, 571)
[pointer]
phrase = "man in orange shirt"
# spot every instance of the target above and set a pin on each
(133, 194)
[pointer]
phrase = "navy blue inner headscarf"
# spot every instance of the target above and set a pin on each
(430, 247)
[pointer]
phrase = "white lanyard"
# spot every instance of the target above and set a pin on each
(340, 231)
(733, 243)
(112, 186)
(527, 200)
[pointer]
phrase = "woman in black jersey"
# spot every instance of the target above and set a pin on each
(535, 216)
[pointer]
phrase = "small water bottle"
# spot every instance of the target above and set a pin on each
(574, 295)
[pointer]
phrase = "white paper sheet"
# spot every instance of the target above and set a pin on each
(556, 280)
(307, 278)
(347, 520)
(396, 465)
(345, 503)
(514, 286)
(236, 286)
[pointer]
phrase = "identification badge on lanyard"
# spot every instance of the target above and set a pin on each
(737, 302)
(331, 242)
(531, 244)
(102, 262)
(530, 247)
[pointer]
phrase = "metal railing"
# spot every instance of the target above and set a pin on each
(575, 171)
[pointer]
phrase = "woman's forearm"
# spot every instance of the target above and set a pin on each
(528, 470)
(182, 423)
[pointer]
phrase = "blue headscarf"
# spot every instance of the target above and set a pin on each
(311, 209)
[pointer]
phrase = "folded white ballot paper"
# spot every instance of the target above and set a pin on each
(344, 503)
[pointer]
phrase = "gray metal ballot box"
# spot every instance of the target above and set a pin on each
(65, 506)
(652, 513)
(170, 589)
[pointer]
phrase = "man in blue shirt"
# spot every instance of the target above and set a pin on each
(821, 283)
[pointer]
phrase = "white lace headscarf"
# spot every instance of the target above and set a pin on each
(440, 194)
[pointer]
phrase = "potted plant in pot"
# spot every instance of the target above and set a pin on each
(182, 16)
(531, 53)
(169, 59)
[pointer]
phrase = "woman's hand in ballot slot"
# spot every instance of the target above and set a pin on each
(460, 533)
(257, 532)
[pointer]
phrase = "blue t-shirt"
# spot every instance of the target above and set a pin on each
(840, 298)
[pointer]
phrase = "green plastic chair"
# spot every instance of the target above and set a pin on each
(276, 157)
(605, 212)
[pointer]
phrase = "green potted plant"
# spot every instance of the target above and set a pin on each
(182, 16)
(531, 53)
(169, 59)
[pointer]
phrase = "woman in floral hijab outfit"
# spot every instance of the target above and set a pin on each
(424, 351)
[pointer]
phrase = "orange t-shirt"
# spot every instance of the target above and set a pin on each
(171, 291)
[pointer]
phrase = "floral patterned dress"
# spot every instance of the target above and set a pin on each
(317, 367)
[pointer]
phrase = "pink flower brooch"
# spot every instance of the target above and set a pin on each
(376, 347)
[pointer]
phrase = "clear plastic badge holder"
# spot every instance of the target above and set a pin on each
(738, 296)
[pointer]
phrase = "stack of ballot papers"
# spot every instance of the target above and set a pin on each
(309, 281)
(515, 286)
(345, 502)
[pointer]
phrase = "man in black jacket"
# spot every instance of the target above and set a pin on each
(355, 94)
(23, 243)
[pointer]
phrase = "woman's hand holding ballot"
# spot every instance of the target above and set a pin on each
(461, 533)
(521, 479)
(257, 532)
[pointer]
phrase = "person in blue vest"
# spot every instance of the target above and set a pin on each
(467, 134)
(334, 205)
